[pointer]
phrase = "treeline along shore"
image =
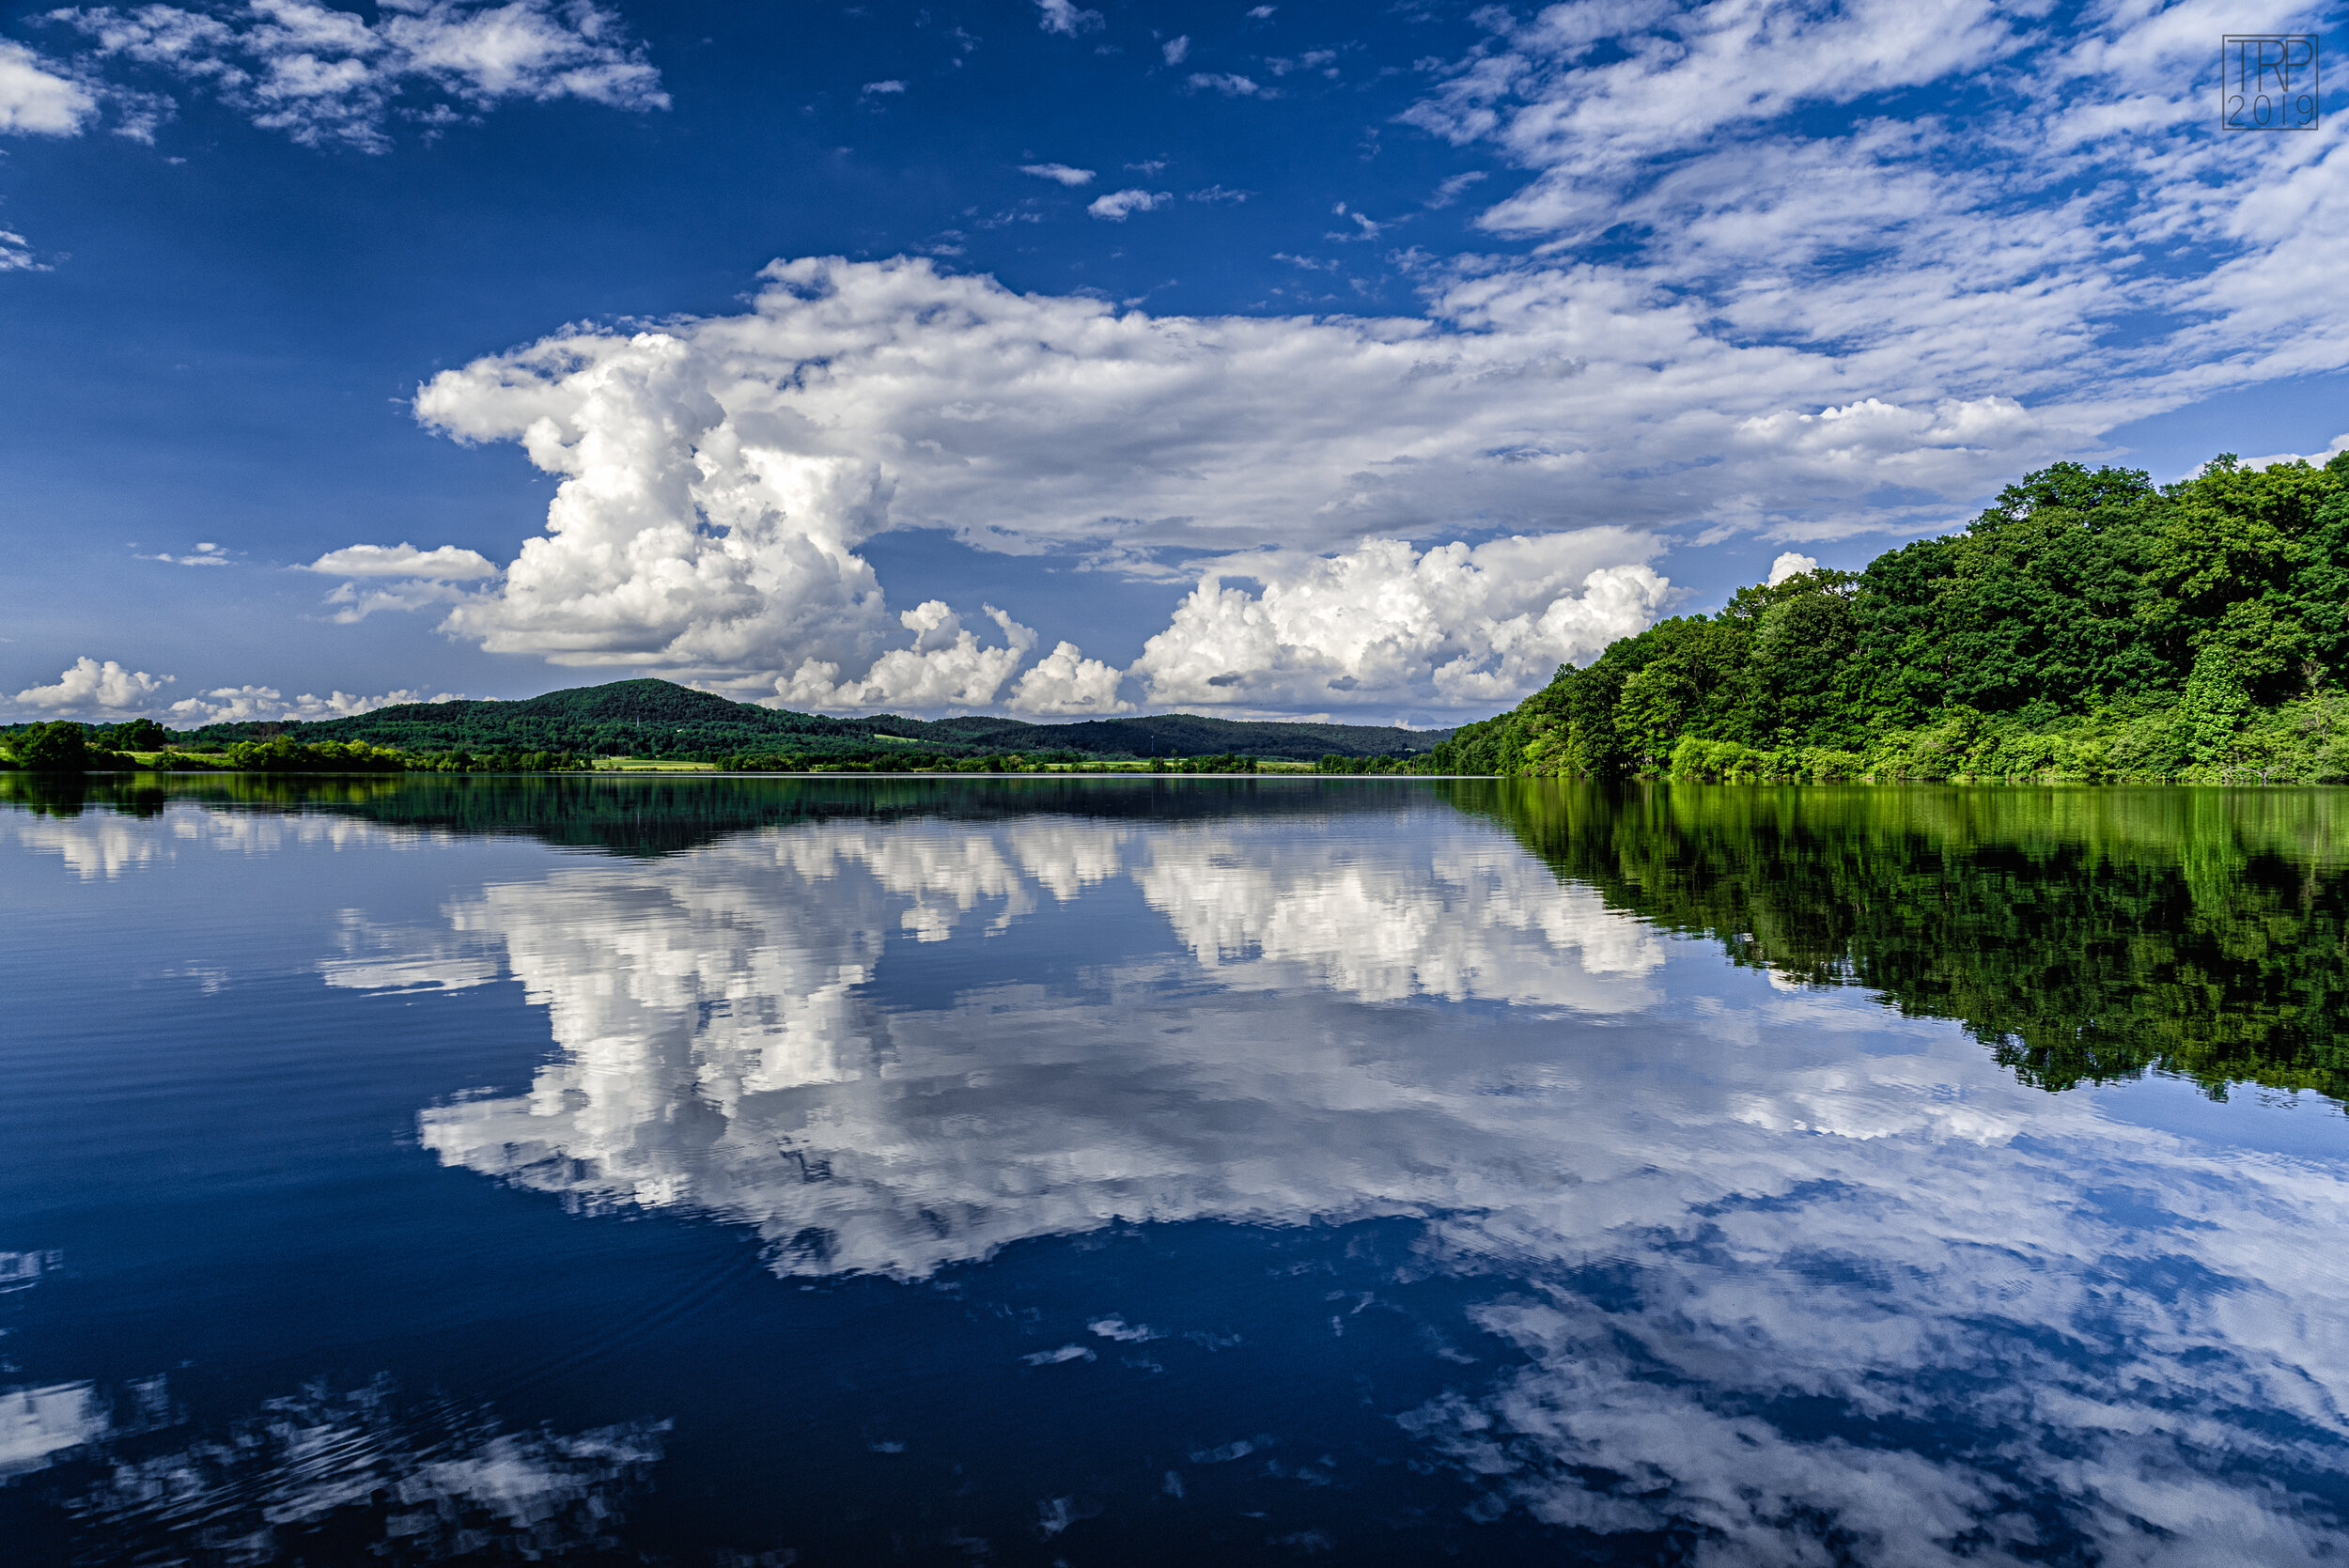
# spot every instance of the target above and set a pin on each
(2090, 627)
(659, 722)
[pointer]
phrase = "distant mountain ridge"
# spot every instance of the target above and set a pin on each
(660, 718)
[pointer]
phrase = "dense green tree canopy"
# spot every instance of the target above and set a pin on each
(55, 746)
(2087, 626)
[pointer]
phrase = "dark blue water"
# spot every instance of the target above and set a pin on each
(722, 1173)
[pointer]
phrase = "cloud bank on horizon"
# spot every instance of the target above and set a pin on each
(107, 691)
(1876, 260)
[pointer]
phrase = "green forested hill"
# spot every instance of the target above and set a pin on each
(660, 719)
(2090, 626)
(640, 718)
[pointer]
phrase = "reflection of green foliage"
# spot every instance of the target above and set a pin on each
(2089, 626)
(2082, 934)
(655, 814)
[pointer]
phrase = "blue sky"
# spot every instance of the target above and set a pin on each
(1343, 359)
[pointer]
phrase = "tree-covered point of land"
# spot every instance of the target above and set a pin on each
(60, 746)
(2090, 626)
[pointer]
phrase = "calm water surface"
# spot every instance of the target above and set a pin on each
(729, 1171)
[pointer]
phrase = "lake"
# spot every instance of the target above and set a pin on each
(762, 1172)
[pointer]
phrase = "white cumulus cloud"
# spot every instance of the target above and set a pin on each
(1791, 565)
(2339, 444)
(326, 76)
(1117, 206)
(205, 554)
(36, 99)
(947, 667)
(717, 478)
(1176, 49)
(1063, 16)
(419, 577)
(354, 603)
(226, 705)
(1454, 627)
(1229, 84)
(102, 690)
(445, 562)
(1066, 684)
(1060, 172)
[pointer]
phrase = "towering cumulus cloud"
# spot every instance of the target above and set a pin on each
(1480, 626)
(91, 687)
(720, 476)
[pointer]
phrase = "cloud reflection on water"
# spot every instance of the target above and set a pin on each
(105, 846)
(1788, 1270)
(320, 1476)
(725, 1047)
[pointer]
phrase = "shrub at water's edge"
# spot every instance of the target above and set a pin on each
(59, 747)
(2090, 627)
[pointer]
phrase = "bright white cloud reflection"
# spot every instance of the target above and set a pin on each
(103, 845)
(1786, 1269)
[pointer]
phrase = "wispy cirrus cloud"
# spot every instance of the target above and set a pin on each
(2036, 201)
(205, 554)
(330, 77)
(1229, 83)
(1117, 206)
(1067, 17)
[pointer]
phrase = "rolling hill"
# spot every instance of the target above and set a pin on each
(662, 719)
